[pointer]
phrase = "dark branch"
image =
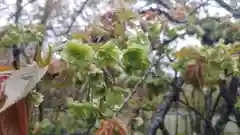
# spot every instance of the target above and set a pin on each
(229, 95)
(74, 17)
(47, 12)
(160, 2)
(234, 12)
(18, 11)
(157, 120)
(15, 49)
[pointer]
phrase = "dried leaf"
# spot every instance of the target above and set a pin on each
(188, 52)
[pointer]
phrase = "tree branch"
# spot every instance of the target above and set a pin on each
(157, 120)
(73, 20)
(160, 2)
(207, 121)
(47, 11)
(136, 86)
(18, 11)
(228, 94)
(234, 12)
(74, 17)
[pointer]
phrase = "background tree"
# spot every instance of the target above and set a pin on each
(122, 78)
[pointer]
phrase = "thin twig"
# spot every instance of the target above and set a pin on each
(197, 112)
(74, 17)
(135, 88)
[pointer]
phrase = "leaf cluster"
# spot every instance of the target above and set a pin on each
(13, 34)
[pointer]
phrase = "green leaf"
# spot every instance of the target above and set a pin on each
(94, 71)
(46, 123)
(108, 113)
(188, 52)
(35, 98)
(191, 19)
(77, 54)
(119, 29)
(121, 90)
(13, 34)
(237, 105)
(83, 109)
(108, 55)
(172, 33)
(114, 98)
(125, 14)
(135, 58)
(80, 36)
(155, 30)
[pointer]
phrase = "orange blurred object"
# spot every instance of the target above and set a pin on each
(5, 68)
(108, 128)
